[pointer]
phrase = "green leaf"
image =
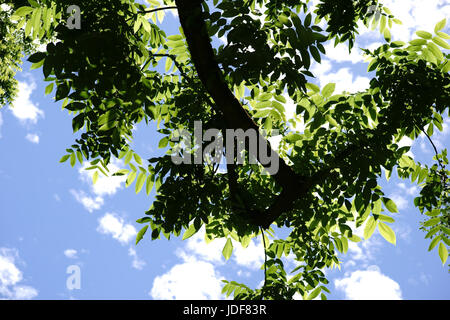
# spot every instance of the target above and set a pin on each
(328, 90)
(149, 185)
(387, 35)
(369, 228)
(263, 113)
(73, 159)
(49, 88)
(390, 205)
(37, 57)
(434, 242)
(130, 178)
(189, 232)
(137, 25)
(227, 249)
(386, 218)
(95, 177)
(440, 25)
(435, 51)
(163, 142)
(313, 87)
(80, 157)
(387, 232)
(141, 234)
(443, 253)
(432, 222)
(144, 220)
(64, 158)
(140, 182)
(377, 207)
(23, 11)
(128, 157)
(424, 35)
(168, 65)
(314, 294)
(441, 43)
(418, 42)
(355, 238)
(443, 35)
(315, 53)
(344, 242)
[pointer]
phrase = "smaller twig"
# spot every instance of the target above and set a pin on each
(434, 147)
(152, 10)
(158, 9)
(265, 260)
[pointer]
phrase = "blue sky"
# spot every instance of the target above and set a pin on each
(52, 217)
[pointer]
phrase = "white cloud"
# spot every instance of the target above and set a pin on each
(343, 78)
(409, 190)
(439, 137)
(251, 257)
(11, 276)
(400, 201)
(207, 251)
(137, 263)
(89, 203)
(406, 142)
(340, 53)
(402, 231)
(368, 284)
(33, 138)
(416, 15)
(71, 253)
(191, 280)
(423, 278)
(104, 185)
(115, 226)
(23, 108)
(361, 253)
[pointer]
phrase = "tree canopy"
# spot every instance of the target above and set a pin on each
(121, 68)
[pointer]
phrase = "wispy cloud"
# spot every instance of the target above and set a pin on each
(193, 280)
(137, 263)
(33, 138)
(115, 226)
(71, 253)
(23, 108)
(344, 79)
(369, 284)
(89, 203)
(105, 185)
(11, 277)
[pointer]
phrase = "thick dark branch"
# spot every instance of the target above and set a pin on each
(293, 185)
(235, 116)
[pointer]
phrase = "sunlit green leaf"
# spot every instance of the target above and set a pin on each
(227, 249)
(387, 232)
(443, 253)
(141, 234)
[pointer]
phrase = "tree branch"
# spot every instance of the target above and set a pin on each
(236, 117)
(194, 27)
(152, 10)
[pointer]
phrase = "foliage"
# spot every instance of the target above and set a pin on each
(109, 76)
(13, 44)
